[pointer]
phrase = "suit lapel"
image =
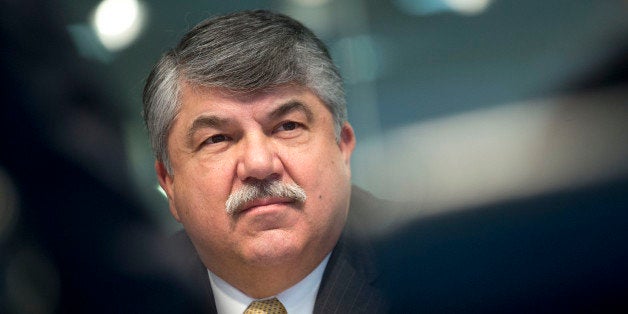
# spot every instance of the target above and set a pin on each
(350, 278)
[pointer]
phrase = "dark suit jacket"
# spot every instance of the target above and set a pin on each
(349, 284)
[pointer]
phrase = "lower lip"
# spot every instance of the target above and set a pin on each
(267, 217)
(264, 209)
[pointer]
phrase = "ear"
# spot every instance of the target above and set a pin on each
(347, 142)
(166, 181)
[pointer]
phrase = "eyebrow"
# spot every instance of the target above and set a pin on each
(204, 121)
(289, 107)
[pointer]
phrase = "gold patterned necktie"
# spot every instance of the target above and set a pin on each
(269, 306)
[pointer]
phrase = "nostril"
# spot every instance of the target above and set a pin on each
(254, 180)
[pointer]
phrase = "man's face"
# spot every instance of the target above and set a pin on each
(219, 143)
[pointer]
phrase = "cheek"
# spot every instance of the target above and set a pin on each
(202, 191)
(304, 166)
(318, 171)
(213, 172)
(202, 203)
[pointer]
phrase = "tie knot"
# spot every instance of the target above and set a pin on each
(268, 306)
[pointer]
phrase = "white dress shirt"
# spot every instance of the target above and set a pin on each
(298, 299)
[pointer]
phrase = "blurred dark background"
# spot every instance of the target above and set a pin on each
(505, 121)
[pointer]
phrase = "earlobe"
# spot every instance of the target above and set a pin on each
(347, 141)
(166, 181)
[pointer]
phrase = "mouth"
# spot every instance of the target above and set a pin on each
(260, 203)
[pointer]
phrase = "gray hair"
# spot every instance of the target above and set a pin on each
(242, 52)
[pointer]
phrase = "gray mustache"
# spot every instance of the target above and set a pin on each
(263, 189)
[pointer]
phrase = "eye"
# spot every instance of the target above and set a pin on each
(216, 139)
(288, 126)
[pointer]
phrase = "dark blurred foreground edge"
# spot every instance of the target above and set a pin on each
(560, 252)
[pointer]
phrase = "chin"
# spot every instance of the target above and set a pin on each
(273, 248)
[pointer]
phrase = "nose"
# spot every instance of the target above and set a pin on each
(258, 159)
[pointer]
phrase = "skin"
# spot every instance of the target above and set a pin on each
(218, 142)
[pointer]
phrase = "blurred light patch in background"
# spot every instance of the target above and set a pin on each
(311, 3)
(118, 23)
(357, 56)
(517, 150)
(426, 7)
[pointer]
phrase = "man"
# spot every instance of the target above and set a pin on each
(248, 123)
